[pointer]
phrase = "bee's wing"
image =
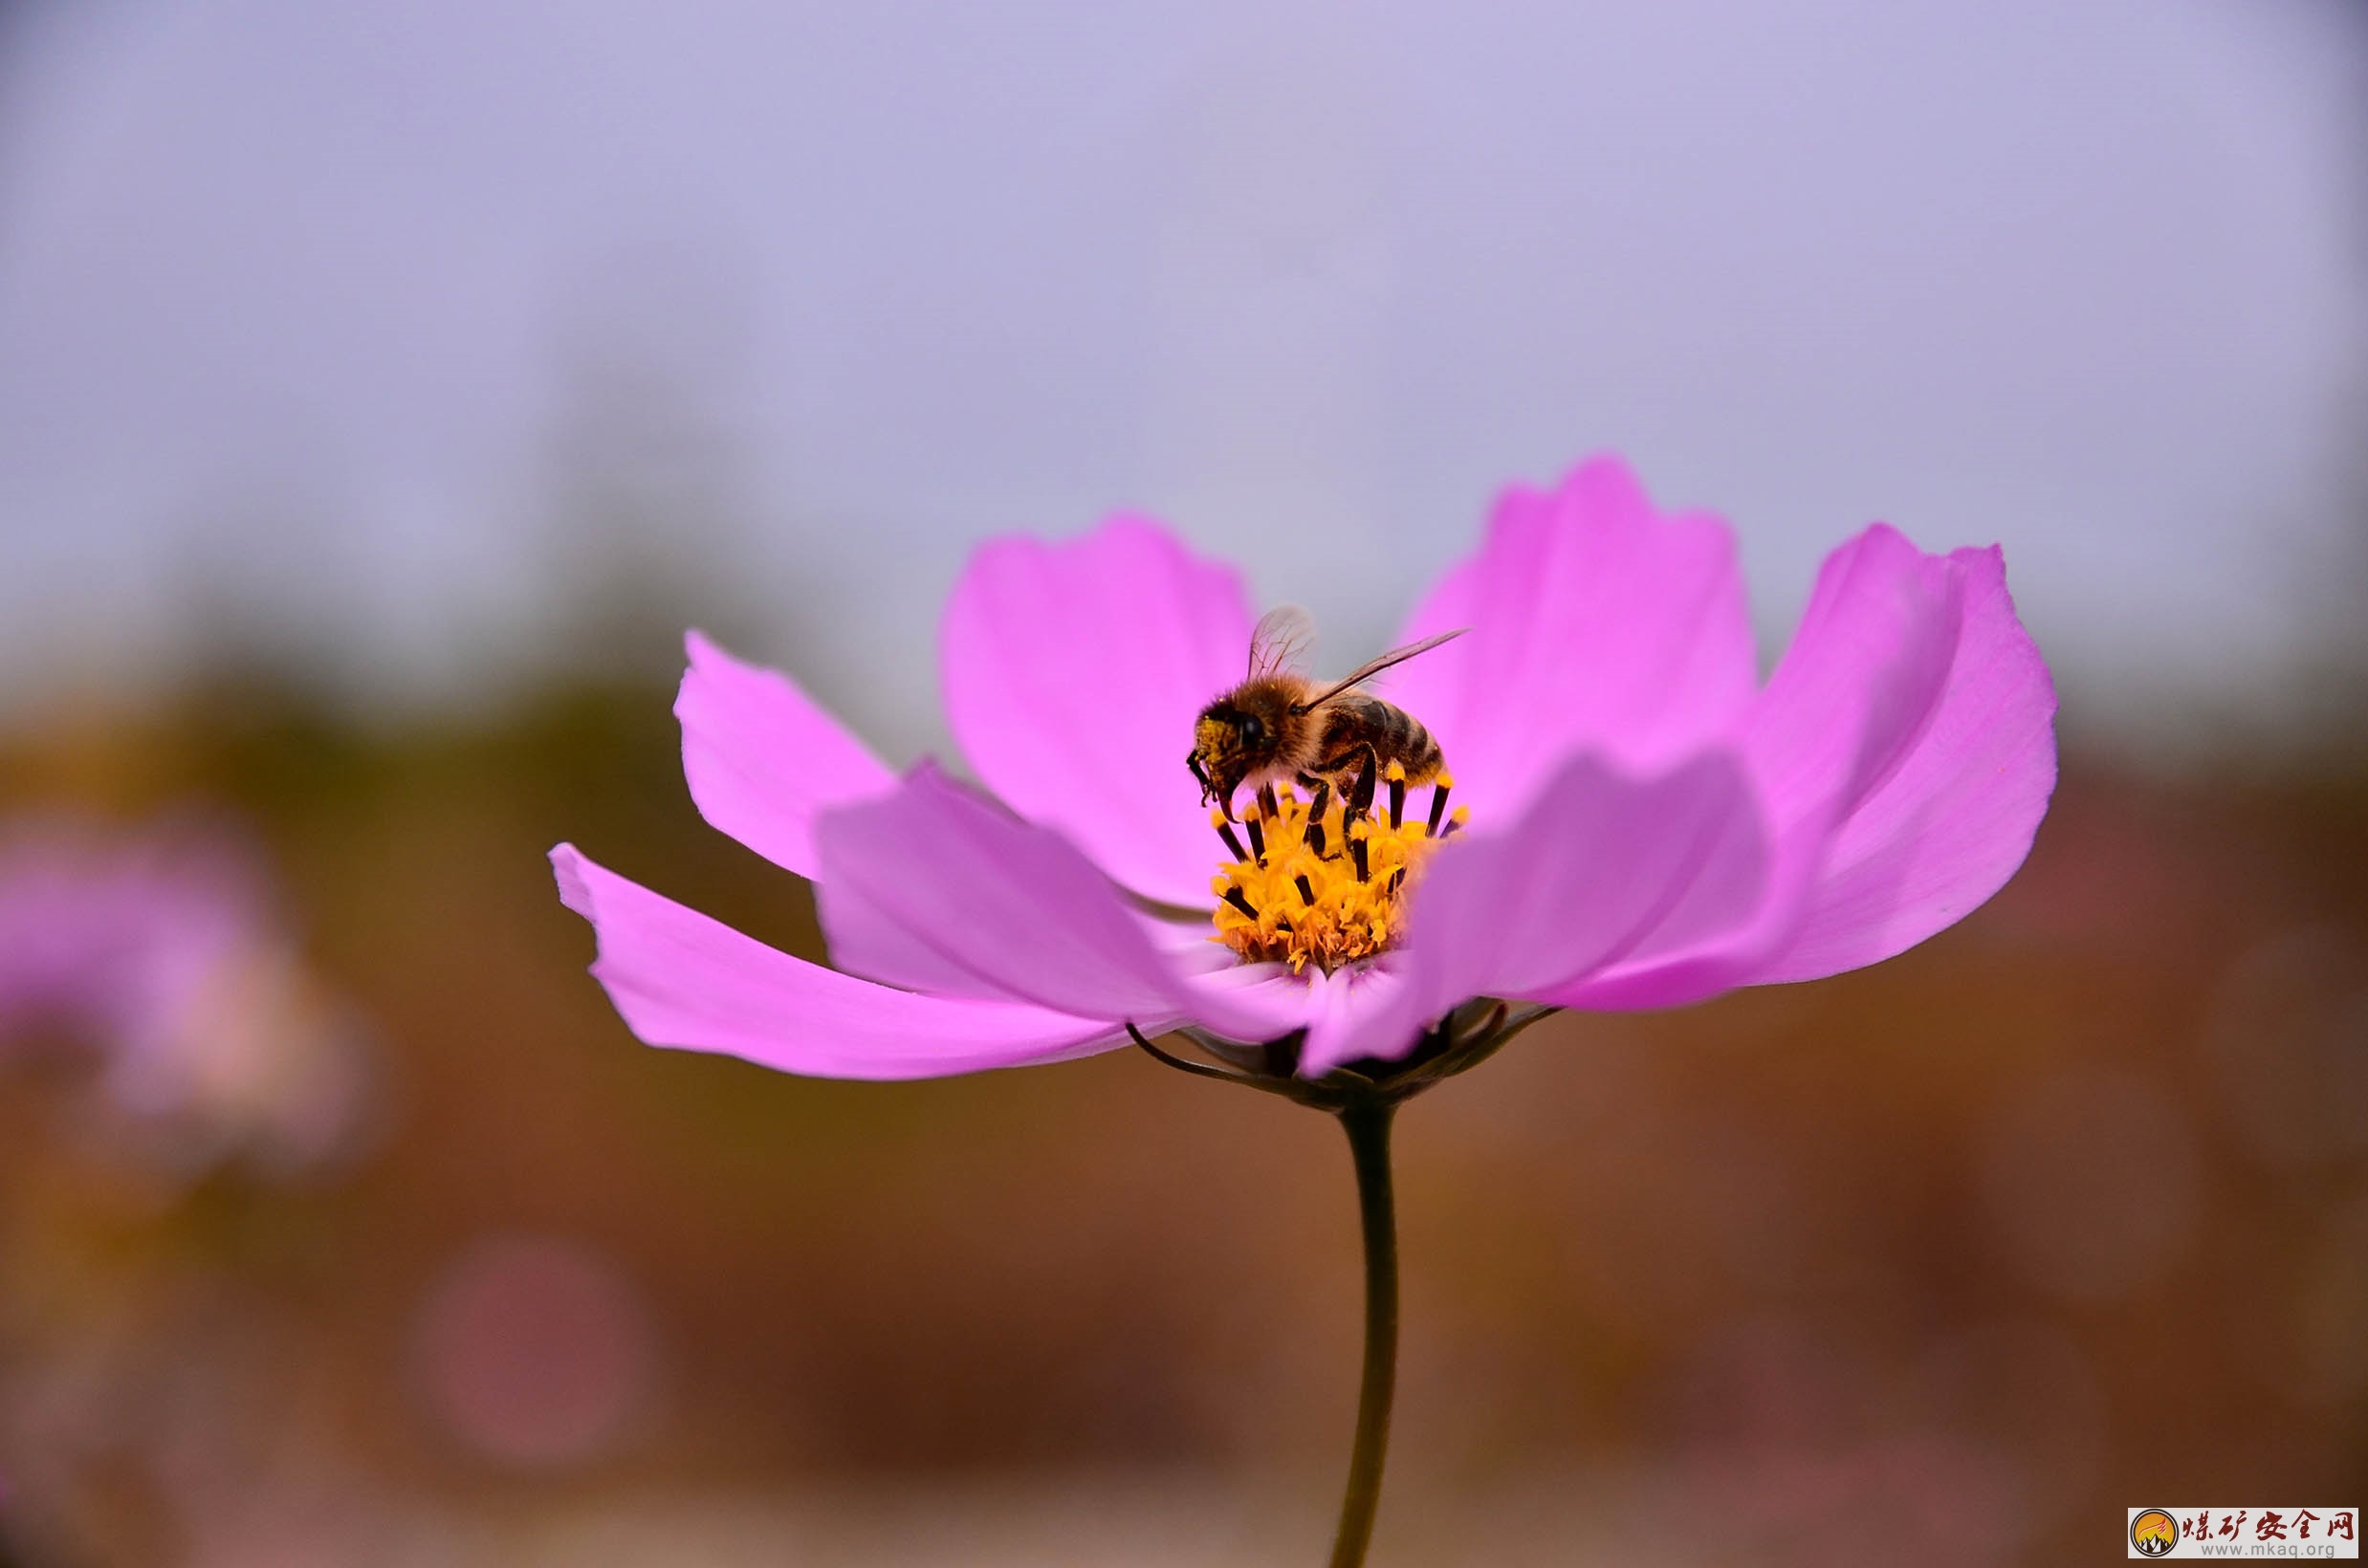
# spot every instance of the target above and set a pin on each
(1285, 638)
(1374, 667)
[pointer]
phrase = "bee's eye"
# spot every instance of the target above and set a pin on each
(1252, 730)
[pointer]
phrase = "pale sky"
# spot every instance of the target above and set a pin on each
(294, 301)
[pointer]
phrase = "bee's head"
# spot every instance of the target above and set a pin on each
(1232, 739)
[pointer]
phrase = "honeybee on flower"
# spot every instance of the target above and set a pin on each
(1279, 724)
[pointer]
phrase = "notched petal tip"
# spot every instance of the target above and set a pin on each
(1599, 623)
(567, 870)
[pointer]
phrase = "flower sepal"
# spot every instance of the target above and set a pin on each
(1460, 1040)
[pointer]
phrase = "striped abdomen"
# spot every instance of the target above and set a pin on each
(1358, 721)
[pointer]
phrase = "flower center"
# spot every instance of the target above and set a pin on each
(1324, 879)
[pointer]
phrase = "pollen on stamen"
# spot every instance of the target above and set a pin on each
(1297, 899)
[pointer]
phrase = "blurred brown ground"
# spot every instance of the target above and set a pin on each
(1950, 1260)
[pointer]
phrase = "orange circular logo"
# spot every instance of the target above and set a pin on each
(2152, 1534)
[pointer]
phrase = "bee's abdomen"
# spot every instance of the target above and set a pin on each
(1394, 734)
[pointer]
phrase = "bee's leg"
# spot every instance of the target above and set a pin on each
(1361, 801)
(1316, 804)
(1356, 769)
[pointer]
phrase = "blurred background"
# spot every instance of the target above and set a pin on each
(383, 389)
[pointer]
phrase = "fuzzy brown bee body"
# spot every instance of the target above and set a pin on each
(1359, 720)
(1279, 724)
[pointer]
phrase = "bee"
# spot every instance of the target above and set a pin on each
(1280, 724)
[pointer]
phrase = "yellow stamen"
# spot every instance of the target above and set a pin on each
(1297, 906)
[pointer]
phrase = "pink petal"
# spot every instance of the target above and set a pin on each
(1355, 1013)
(1851, 698)
(934, 885)
(763, 757)
(1072, 676)
(1603, 867)
(1263, 1001)
(1938, 809)
(1596, 625)
(1677, 967)
(683, 980)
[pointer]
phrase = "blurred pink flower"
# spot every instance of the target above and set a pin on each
(116, 940)
(159, 953)
(534, 1352)
(1650, 825)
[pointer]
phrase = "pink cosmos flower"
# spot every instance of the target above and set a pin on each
(159, 953)
(1645, 822)
(115, 940)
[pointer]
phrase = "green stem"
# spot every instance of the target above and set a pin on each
(1368, 1124)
